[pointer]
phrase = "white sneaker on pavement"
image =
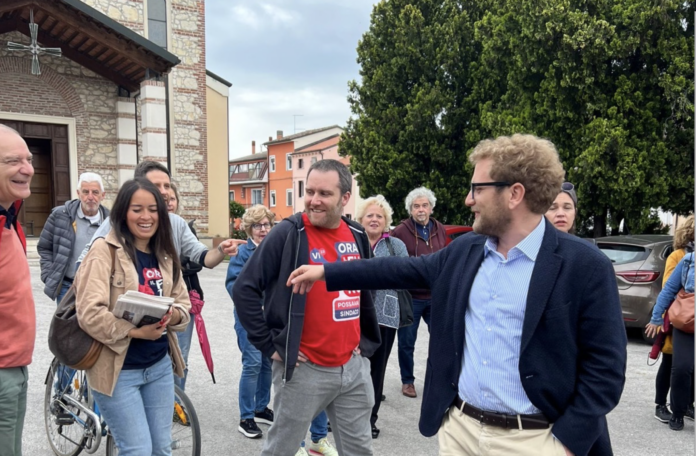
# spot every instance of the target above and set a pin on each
(322, 447)
(301, 452)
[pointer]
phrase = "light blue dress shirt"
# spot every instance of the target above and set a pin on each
(490, 378)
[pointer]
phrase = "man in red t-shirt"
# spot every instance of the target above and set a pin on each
(319, 342)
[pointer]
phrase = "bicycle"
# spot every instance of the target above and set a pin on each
(73, 422)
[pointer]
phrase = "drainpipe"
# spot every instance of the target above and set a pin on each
(169, 136)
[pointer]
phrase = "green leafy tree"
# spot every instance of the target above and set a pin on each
(413, 121)
(609, 82)
(236, 210)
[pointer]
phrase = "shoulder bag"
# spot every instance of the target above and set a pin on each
(681, 312)
(405, 299)
(68, 342)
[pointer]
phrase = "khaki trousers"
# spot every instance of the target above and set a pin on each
(461, 435)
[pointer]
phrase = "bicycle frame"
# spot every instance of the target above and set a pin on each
(96, 419)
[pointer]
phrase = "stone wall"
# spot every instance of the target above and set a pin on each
(65, 89)
(188, 79)
(128, 12)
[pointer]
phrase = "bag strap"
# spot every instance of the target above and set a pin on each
(390, 247)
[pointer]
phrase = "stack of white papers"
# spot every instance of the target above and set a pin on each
(142, 309)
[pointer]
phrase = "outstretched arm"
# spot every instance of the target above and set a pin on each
(302, 279)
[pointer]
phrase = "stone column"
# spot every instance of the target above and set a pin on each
(126, 146)
(153, 121)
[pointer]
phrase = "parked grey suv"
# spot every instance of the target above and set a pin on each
(639, 265)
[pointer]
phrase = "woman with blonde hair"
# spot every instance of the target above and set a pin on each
(375, 215)
(683, 244)
(255, 382)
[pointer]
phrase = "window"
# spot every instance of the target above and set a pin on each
(273, 198)
(288, 162)
(288, 197)
(232, 195)
(300, 189)
(157, 22)
(255, 170)
(256, 196)
(272, 165)
(314, 160)
(300, 164)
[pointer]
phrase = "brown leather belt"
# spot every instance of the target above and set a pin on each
(536, 421)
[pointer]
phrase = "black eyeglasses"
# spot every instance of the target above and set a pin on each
(567, 186)
(475, 185)
(258, 226)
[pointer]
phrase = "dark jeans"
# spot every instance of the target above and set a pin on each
(682, 369)
(378, 367)
(407, 339)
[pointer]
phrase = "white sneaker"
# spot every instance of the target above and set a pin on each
(322, 447)
(301, 452)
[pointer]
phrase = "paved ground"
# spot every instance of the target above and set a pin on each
(633, 429)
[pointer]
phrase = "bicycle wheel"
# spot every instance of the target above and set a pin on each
(111, 449)
(64, 427)
(186, 430)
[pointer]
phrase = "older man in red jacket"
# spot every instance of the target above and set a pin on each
(422, 235)
(17, 314)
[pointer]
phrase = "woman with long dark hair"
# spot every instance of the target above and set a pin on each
(133, 381)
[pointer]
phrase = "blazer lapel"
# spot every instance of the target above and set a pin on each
(472, 261)
(546, 270)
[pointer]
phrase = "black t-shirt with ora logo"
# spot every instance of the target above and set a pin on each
(145, 353)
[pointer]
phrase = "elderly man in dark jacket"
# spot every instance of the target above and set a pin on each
(66, 232)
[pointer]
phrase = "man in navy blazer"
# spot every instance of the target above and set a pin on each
(527, 350)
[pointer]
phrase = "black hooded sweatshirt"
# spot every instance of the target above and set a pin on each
(277, 326)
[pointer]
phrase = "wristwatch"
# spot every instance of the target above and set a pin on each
(219, 247)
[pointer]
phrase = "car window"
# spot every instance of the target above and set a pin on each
(621, 253)
(668, 251)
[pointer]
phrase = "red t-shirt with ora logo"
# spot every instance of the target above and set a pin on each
(331, 328)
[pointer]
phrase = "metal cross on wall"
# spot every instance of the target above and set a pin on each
(34, 47)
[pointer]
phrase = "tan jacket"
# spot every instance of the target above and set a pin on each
(97, 292)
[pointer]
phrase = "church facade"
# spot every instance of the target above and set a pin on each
(129, 85)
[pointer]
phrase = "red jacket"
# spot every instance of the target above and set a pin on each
(417, 246)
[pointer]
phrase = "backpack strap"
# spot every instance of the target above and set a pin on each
(390, 247)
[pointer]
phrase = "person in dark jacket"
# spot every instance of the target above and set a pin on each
(422, 235)
(319, 343)
(527, 350)
(67, 231)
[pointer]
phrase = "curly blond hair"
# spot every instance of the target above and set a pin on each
(377, 200)
(254, 215)
(527, 159)
(684, 234)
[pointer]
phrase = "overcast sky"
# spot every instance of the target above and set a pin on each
(284, 57)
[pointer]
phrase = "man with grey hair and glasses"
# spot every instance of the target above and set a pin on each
(422, 235)
(67, 231)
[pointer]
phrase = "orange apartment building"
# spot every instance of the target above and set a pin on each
(281, 191)
(249, 178)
